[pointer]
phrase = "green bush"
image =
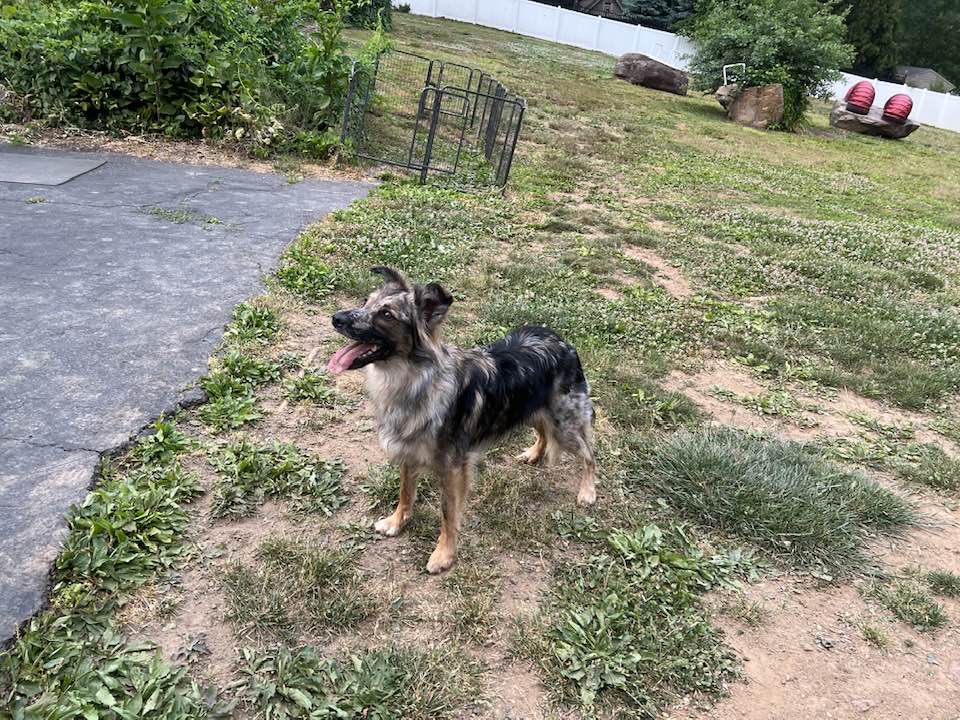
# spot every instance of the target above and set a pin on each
(370, 13)
(217, 68)
(798, 43)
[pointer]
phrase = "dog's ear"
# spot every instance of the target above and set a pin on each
(432, 301)
(391, 276)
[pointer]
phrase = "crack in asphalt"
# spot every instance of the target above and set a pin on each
(65, 447)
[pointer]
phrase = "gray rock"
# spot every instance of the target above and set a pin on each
(726, 94)
(758, 107)
(870, 124)
(642, 70)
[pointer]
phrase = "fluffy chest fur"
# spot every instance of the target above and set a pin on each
(411, 403)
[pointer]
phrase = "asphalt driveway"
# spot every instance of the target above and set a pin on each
(115, 287)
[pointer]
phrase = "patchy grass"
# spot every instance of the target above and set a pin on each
(472, 614)
(626, 626)
(944, 582)
(249, 474)
(296, 588)
(874, 635)
(908, 602)
(778, 496)
(389, 683)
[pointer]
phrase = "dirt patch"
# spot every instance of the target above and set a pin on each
(190, 152)
(808, 659)
(672, 280)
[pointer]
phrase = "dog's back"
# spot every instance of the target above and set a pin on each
(527, 374)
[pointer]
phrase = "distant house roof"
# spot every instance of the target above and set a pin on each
(922, 78)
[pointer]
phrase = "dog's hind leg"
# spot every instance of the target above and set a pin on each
(534, 454)
(573, 427)
(393, 524)
(456, 483)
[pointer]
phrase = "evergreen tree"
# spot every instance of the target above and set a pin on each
(930, 36)
(659, 14)
(872, 29)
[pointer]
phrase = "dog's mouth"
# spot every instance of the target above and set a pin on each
(354, 356)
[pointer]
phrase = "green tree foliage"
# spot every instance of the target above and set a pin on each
(929, 33)
(872, 28)
(799, 43)
(243, 68)
(660, 14)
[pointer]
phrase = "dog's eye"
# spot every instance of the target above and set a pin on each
(386, 314)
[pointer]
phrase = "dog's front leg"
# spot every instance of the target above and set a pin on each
(456, 482)
(393, 524)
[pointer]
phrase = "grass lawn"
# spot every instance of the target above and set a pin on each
(770, 325)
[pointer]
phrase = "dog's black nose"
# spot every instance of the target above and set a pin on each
(341, 319)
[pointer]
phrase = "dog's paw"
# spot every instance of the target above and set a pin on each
(529, 456)
(586, 497)
(388, 526)
(439, 561)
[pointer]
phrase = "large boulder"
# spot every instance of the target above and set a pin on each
(870, 124)
(758, 107)
(726, 94)
(642, 70)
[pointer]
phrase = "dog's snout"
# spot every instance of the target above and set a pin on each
(341, 319)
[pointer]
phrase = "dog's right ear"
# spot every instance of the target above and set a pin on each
(391, 276)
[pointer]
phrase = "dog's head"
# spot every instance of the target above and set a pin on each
(399, 320)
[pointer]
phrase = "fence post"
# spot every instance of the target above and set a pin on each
(596, 35)
(434, 11)
(516, 18)
(557, 16)
(673, 51)
(428, 151)
(636, 37)
(476, 11)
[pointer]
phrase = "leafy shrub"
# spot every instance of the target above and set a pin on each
(370, 13)
(798, 43)
(180, 67)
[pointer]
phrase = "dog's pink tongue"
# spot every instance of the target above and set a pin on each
(344, 357)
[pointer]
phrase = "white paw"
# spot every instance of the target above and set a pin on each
(388, 526)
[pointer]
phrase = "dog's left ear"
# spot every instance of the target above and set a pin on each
(432, 301)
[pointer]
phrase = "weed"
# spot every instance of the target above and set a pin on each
(749, 612)
(777, 495)
(79, 665)
(908, 602)
(35, 200)
(944, 582)
(636, 403)
(930, 466)
(312, 387)
(382, 487)
(256, 605)
(874, 635)
(626, 627)
(250, 370)
(126, 529)
(772, 403)
(389, 683)
(248, 474)
(253, 322)
(230, 412)
(163, 445)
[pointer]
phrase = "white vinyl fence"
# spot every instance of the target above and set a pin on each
(616, 38)
(567, 27)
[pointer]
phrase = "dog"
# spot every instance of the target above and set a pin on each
(440, 407)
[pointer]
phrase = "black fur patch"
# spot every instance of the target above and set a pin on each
(530, 366)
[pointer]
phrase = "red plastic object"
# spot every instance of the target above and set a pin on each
(860, 97)
(898, 108)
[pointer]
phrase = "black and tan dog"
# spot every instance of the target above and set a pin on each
(439, 407)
